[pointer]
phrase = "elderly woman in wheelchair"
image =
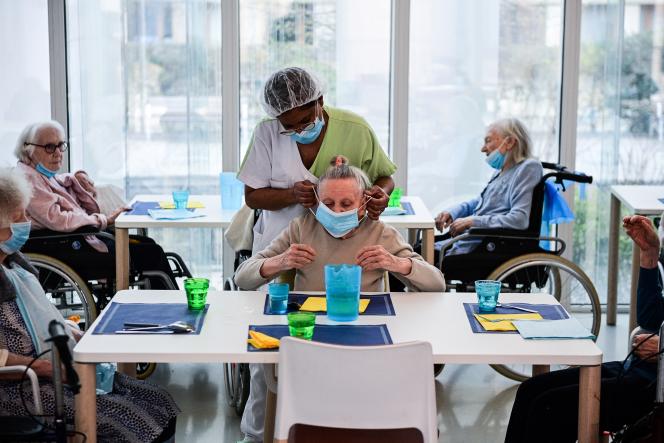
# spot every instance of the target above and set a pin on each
(133, 411)
(65, 204)
(339, 231)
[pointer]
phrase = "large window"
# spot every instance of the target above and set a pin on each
(345, 42)
(472, 62)
(620, 121)
(25, 79)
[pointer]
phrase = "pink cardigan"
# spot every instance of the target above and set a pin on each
(61, 204)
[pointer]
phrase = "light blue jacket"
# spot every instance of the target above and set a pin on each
(504, 203)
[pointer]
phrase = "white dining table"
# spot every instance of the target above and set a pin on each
(639, 200)
(438, 318)
(216, 217)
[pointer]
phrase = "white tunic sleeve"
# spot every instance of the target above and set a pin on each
(256, 168)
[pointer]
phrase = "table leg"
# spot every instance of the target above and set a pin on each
(270, 414)
(85, 402)
(589, 392)
(636, 263)
(612, 286)
(541, 369)
(427, 245)
(121, 259)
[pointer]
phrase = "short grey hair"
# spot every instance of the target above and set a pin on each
(23, 151)
(340, 169)
(513, 127)
(15, 194)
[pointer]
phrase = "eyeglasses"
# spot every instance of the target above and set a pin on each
(50, 148)
(307, 127)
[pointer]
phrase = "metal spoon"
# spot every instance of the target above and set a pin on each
(177, 327)
(502, 305)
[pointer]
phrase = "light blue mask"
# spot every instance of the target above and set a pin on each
(310, 136)
(43, 170)
(337, 224)
(20, 234)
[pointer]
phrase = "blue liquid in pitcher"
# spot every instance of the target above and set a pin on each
(343, 306)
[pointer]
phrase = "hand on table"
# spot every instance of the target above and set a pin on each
(377, 257)
(110, 220)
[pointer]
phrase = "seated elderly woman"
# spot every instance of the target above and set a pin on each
(66, 202)
(340, 232)
(546, 406)
(134, 411)
(506, 200)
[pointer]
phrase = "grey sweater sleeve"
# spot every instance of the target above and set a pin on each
(248, 275)
(423, 277)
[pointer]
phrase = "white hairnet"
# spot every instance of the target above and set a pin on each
(290, 88)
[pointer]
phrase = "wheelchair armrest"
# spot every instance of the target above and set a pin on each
(47, 233)
(498, 232)
(34, 382)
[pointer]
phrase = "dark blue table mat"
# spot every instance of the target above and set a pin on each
(141, 208)
(381, 304)
(347, 335)
(548, 312)
(159, 313)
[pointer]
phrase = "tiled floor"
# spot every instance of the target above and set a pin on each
(474, 402)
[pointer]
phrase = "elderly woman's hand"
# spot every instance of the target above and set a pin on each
(86, 182)
(642, 231)
(460, 225)
(304, 193)
(377, 257)
(443, 220)
(296, 256)
(649, 347)
(111, 218)
(378, 201)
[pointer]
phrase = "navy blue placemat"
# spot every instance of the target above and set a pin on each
(548, 312)
(141, 208)
(408, 208)
(347, 335)
(381, 304)
(158, 313)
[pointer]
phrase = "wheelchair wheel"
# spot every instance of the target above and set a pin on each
(550, 274)
(65, 288)
(144, 370)
(236, 379)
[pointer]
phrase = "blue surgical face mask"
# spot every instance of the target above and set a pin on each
(496, 159)
(337, 224)
(43, 170)
(20, 234)
(310, 136)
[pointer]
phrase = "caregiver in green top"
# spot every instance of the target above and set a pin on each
(292, 147)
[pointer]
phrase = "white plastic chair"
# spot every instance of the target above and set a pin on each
(353, 388)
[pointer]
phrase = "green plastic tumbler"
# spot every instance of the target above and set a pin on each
(301, 324)
(196, 289)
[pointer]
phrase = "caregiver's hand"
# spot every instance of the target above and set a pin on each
(377, 257)
(304, 193)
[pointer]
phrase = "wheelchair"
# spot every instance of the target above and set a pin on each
(517, 259)
(80, 290)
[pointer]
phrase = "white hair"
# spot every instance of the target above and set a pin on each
(15, 194)
(23, 151)
(340, 169)
(513, 127)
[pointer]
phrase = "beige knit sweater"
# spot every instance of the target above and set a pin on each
(329, 250)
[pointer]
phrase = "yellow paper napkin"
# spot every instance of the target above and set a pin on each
(319, 304)
(506, 323)
(190, 205)
(262, 341)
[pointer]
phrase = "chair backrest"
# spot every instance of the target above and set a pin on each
(353, 387)
(536, 208)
